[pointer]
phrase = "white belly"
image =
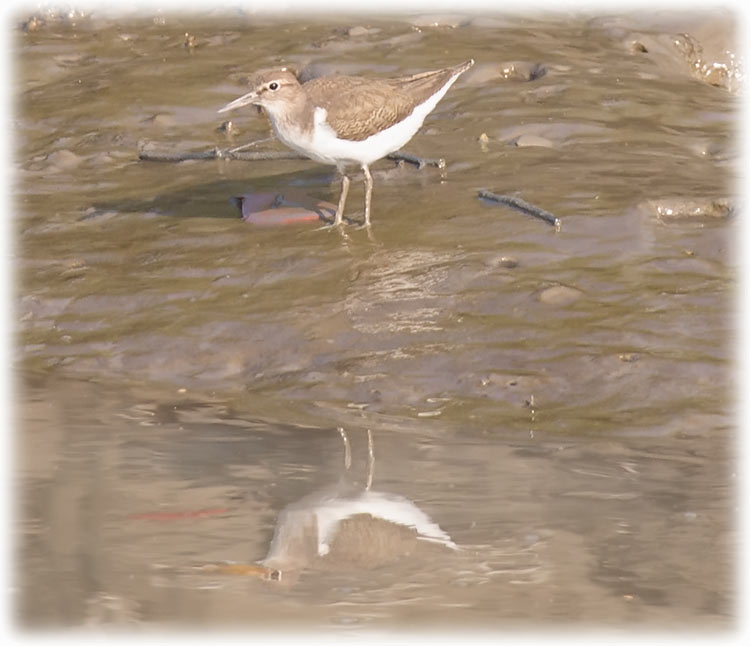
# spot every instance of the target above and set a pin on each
(325, 147)
(329, 149)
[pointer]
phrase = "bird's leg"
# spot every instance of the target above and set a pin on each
(368, 193)
(342, 200)
(370, 460)
(347, 449)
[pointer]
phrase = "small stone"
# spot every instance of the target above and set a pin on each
(508, 262)
(359, 30)
(559, 295)
(484, 141)
(679, 208)
(524, 71)
(526, 141)
(483, 73)
(73, 269)
(64, 159)
(628, 357)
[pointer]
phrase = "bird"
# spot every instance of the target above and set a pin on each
(347, 120)
(345, 526)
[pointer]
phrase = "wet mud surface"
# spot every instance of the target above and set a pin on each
(551, 412)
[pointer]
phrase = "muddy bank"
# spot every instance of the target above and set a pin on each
(559, 403)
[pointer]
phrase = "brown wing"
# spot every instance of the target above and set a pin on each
(358, 108)
(423, 85)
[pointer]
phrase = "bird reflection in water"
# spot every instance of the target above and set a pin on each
(346, 526)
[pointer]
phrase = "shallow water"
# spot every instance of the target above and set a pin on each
(558, 403)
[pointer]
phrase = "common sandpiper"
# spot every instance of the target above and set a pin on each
(345, 120)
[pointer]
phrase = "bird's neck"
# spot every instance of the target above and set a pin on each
(293, 116)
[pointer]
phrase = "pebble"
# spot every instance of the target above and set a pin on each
(64, 159)
(678, 208)
(271, 209)
(524, 71)
(74, 269)
(508, 262)
(636, 47)
(226, 127)
(559, 295)
(359, 30)
(484, 141)
(483, 73)
(524, 141)
(557, 132)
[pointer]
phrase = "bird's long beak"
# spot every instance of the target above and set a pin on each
(245, 99)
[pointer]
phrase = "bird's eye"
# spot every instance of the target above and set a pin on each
(273, 86)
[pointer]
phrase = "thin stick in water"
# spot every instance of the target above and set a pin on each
(522, 206)
(149, 152)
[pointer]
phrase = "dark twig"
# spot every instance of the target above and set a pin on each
(419, 162)
(148, 152)
(523, 207)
